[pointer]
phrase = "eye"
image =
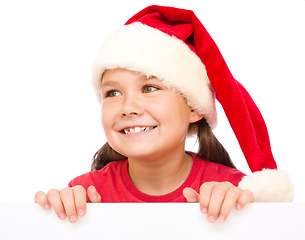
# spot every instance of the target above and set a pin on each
(113, 93)
(149, 88)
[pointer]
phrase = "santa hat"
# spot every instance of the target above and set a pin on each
(173, 45)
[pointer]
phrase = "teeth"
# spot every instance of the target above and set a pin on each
(137, 129)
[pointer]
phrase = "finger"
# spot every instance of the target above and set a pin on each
(245, 198)
(42, 200)
(191, 195)
(55, 200)
(205, 195)
(231, 197)
(80, 200)
(93, 195)
(67, 197)
(217, 198)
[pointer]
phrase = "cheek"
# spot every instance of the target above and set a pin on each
(106, 116)
(177, 106)
(174, 111)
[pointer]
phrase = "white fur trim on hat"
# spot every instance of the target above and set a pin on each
(140, 48)
(269, 186)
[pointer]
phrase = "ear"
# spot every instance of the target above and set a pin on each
(195, 116)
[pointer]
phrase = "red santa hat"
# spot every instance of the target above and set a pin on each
(173, 45)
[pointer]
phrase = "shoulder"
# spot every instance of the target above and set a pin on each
(211, 171)
(102, 176)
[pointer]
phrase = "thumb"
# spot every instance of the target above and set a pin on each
(191, 195)
(93, 195)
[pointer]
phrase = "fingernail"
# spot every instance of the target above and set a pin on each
(211, 219)
(47, 207)
(73, 219)
(221, 219)
(238, 207)
(81, 212)
(62, 215)
(204, 210)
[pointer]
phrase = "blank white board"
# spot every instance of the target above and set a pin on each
(153, 221)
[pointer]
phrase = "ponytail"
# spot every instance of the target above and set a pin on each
(210, 149)
(105, 155)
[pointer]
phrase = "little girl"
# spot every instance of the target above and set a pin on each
(157, 79)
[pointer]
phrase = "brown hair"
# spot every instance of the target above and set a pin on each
(210, 149)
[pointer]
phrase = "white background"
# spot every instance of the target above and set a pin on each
(50, 120)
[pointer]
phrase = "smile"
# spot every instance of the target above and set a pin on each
(137, 129)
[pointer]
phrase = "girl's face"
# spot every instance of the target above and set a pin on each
(143, 119)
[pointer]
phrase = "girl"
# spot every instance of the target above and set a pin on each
(156, 79)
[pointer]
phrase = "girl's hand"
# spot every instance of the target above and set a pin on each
(68, 202)
(218, 198)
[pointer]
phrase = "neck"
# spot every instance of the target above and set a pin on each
(161, 176)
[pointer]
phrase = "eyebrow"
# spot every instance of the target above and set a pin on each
(115, 83)
(109, 83)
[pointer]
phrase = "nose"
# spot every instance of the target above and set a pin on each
(132, 106)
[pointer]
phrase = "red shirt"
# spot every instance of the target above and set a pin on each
(114, 184)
